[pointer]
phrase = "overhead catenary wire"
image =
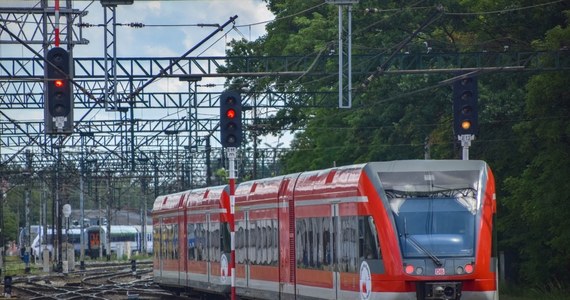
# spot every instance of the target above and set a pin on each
(501, 11)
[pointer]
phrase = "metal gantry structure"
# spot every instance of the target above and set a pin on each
(126, 129)
(183, 146)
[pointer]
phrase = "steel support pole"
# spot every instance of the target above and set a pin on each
(465, 144)
(110, 88)
(231, 153)
(81, 209)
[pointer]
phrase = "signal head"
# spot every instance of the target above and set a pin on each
(230, 119)
(465, 115)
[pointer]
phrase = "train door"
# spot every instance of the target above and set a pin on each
(335, 248)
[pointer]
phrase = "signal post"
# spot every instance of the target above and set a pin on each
(465, 115)
(230, 137)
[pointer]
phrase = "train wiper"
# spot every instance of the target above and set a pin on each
(416, 244)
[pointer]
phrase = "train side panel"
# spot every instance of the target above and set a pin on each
(167, 218)
(257, 238)
(207, 241)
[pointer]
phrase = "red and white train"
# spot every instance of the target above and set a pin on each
(411, 229)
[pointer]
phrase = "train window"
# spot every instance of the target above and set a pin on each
(157, 240)
(327, 246)
(348, 249)
(175, 241)
(225, 238)
(264, 244)
(310, 244)
(300, 242)
(251, 239)
(258, 244)
(215, 239)
(442, 225)
(240, 242)
(201, 242)
(191, 242)
(167, 238)
(368, 245)
(170, 243)
(313, 245)
(164, 236)
(275, 242)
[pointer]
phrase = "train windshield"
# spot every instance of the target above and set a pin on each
(434, 218)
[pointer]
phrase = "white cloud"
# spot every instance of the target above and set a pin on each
(166, 34)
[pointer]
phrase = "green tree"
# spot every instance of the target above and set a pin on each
(539, 204)
(396, 117)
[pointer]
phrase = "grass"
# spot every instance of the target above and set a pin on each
(554, 290)
(14, 266)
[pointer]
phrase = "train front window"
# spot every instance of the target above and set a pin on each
(435, 226)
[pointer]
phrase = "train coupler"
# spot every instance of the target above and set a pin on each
(439, 291)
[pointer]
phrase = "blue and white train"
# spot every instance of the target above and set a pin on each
(125, 239)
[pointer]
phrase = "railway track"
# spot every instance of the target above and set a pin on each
(100, 281)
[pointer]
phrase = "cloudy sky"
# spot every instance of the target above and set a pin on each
(169, 25)
(170, 30)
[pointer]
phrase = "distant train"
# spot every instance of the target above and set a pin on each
(412, 229)
(124, 239)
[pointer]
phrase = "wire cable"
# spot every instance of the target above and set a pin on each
(502, 10)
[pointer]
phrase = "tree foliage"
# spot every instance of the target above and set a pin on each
(539, 202)
(524, 117)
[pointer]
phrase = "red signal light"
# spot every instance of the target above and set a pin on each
(58, 83)
(231, 113)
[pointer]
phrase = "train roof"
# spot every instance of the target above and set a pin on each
(426, 165)
(209, 196)
(169, 202)
(334, 182)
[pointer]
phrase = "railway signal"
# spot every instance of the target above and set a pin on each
(465, 115)
(59, 98)
(230, 119)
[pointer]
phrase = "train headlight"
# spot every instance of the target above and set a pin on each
(411, 270)
(459, 270)
(469, 268)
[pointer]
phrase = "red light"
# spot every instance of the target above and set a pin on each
(469, 269)
(58, 83)
(231, 113)
(409, 269)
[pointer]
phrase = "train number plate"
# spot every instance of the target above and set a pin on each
(439, 271)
